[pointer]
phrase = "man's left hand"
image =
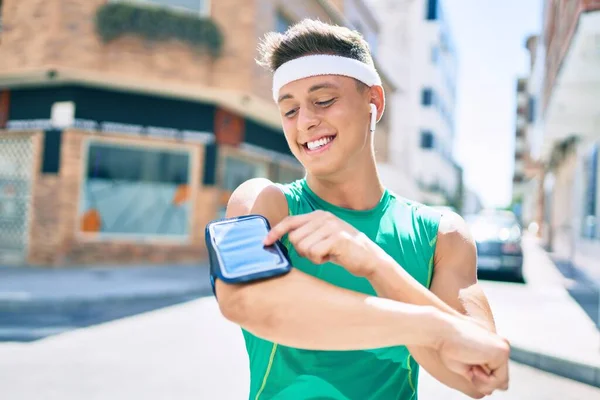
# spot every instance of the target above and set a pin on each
(322, 237)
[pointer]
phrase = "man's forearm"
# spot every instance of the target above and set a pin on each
(391, 281)
(300, 311)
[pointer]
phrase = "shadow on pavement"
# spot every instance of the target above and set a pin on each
(31, 324)
(36, 303)
(583, 289)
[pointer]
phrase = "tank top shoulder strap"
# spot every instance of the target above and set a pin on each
(294, 194)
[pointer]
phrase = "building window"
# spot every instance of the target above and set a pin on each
(237, 170)
(435, 54)
(427, 140)
(531, 109)
(427, 97)
(590, 217)
(136, 191)
(432, 10)
(518, 178)
(189, 6)
(282, 23)
(287, 174)
(520, 133)
(444, 41)
(519, 155)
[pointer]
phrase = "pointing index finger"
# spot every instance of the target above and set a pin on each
(285, 226)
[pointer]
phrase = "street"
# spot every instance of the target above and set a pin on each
(187, 351)
(525, 383)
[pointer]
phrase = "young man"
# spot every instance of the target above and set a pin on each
(380, 284)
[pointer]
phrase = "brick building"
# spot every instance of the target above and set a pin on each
(124, 125)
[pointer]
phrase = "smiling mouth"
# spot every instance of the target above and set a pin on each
(319, 143)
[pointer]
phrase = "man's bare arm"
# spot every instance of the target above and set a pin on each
(455, 283)
(454, 290)
(304, 312)
(455, 264)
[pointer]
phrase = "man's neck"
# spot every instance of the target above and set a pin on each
(357, 188)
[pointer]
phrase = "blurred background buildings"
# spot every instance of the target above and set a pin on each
(127, 124)
(556, 176)
(416, 43)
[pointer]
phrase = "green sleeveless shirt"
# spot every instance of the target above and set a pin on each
(405, 230)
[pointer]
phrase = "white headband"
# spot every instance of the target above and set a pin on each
(323, 64)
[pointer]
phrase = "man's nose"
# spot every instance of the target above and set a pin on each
(307, 119)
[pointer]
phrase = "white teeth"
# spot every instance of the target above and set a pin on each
(318, 143)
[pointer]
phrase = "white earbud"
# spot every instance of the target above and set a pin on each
(373, 117)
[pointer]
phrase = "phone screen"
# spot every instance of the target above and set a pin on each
(240, 247)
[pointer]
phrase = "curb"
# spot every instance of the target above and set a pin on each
(580, 372)
(74, 302)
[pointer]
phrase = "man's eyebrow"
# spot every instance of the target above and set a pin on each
(313, 88)
(284, 97)
(325, 85)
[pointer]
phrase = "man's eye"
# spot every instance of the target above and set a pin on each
(325, 103)
(290, 113)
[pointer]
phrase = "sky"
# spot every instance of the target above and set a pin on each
(490, 41)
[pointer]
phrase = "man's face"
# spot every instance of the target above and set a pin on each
(326, 122)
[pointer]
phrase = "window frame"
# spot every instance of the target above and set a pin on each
(135, 238)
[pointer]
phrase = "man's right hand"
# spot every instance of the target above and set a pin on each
(479, 355)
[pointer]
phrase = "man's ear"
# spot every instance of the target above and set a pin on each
(377, 97)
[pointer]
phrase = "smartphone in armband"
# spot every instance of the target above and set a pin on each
(237, 253)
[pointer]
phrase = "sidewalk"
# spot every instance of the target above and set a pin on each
(38, 302)
(546, 327)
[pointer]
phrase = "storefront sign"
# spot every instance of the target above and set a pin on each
(229, 128)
